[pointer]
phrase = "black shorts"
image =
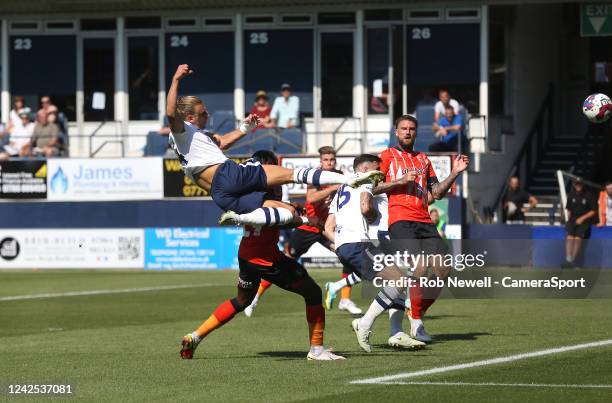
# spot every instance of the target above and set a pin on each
(581, 231)
(286, 273)
(241, 188)
(301, 240)
(416, 237)
(359, 258)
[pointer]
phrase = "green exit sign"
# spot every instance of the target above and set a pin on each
(596, 19)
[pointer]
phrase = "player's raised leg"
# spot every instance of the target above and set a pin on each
(273, 213)
(332, 288)
(277, 175)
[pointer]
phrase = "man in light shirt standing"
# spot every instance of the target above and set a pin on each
(444, 101)
(286, 109)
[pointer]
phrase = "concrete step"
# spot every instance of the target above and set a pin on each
(537, 214)
(543, 223)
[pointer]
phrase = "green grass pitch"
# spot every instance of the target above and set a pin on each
(124, 346)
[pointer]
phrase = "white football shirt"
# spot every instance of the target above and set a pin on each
(351, 225)
(196, 149)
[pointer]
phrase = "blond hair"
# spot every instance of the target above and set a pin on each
(186, 105)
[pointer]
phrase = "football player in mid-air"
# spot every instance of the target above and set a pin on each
(238, 189)
(259, 258)
(351, 211)
(306, 235)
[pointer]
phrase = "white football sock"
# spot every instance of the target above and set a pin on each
(382, 302)
(316, 350)
(350, 280)
(271, 216)
(318, 177)
(371, 314)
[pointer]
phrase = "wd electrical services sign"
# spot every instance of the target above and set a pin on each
(104, 179)
(23, 179)
(192, 248)
(596, 19)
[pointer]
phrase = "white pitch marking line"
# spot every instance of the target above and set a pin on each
(101, 292)
(482, 363)
(520, 385)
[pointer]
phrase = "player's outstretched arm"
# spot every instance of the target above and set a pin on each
(440, 189)
(367, 206)
(330, 227)
(385, 187)
(314, 196)
(176, 122)
(225, 141)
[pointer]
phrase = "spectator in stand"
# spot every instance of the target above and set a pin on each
(514, 202)
(605, 206)
(19, 140)
(445, 100)
(262, 109)
(14, 115)
(581, 209)
(438, 221)
(45, 139)
(448, 129)
(286, 109)
(46, 106)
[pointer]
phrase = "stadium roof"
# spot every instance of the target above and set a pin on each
(79, 6)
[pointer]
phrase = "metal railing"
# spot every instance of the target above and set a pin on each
(532, 149)
(94, 134)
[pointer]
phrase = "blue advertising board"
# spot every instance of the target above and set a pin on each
(190, 248)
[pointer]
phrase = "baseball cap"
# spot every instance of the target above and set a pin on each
(286, 86)
(260, 94)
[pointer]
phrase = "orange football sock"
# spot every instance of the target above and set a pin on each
(345, 293)
(416, 301)
(315, 315)
(223, 314)
(432, 297)
(263, 286)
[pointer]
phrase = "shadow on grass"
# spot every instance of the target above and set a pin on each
(434, 317)
(459, 336)
(284, 355)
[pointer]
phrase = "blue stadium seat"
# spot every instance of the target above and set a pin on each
(222, 122)
(156, 144)
(425, 137)
(258, 140)
(290, 141)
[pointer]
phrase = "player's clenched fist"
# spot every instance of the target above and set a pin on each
(182, 71)
(249, 123)
(409, 176)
